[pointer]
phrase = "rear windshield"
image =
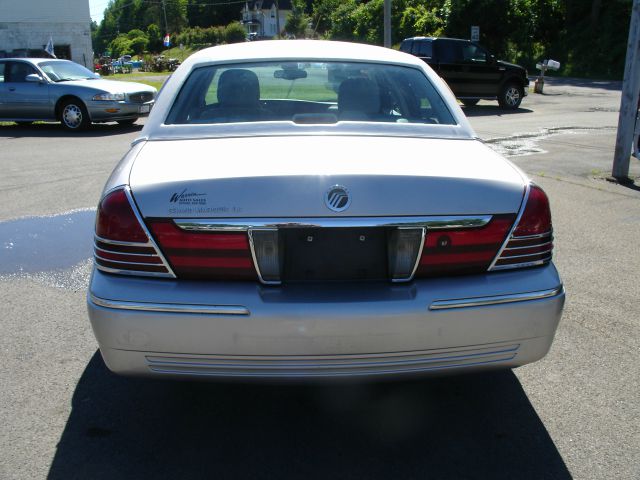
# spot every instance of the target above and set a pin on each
(308, 93)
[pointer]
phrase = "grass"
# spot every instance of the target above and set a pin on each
(153, 79)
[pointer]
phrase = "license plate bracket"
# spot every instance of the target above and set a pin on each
(334, 254)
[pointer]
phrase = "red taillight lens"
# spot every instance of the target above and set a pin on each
(531, 242)
(116, 220)
(121, 244)
(210, 255)
(536, 218)
(463, 251)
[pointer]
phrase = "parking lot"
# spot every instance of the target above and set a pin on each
(574, 414)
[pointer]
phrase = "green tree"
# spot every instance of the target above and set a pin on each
(234, 33)
(155, 38)
(298, 20)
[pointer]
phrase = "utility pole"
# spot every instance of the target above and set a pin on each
(277, 19)
(629, 99)
(166, 25)
(387, 23)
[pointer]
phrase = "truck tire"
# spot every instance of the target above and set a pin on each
(511, 96)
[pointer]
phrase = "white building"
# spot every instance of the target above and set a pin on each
(260, 18)
(26, 25)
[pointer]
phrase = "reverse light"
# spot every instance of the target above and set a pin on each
(405, 245)
(121, 242)
(109, 97)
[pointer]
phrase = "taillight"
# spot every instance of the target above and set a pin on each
(210, 255)
(531, 242)
(121, 242)
(463, 251)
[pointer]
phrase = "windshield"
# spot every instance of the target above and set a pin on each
(309, 93)
(64, 71)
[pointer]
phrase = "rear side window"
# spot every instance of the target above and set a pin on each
(309, 93)
(449, 52)
(405, 46)
(423, 49)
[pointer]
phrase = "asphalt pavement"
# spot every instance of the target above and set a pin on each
(574, 414)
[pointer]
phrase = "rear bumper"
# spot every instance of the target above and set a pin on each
(170, 328)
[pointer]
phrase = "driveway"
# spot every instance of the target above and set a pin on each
(573, 414)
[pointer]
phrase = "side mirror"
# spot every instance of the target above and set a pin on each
(492, 59)
(34, 78)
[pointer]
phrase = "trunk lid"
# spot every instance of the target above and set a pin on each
(290, 176)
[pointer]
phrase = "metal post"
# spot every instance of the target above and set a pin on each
(387, 23)
(629, 99)
(166, 25)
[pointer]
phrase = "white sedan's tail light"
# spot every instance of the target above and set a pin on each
(531, 241)
(122, 244)
(459, 251)
(204, 255)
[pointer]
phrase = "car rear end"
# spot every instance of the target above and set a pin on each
(321, 254)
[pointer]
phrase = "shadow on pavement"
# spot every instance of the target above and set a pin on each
(50, 130)
(477, 426)
(494, 110)
(581, 82)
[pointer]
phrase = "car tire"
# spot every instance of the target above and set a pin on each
(127, 123)
(74, 115)
(470, 102)
(511, 96)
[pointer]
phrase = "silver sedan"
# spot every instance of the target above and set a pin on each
(308, 210)
(43, 89)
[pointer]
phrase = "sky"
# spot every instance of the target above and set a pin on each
(96, 7)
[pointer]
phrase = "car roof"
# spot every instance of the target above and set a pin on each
(438, 38)
(300, 49)
(33, 60)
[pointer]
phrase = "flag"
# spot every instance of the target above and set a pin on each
(167, 40)
(49, 47)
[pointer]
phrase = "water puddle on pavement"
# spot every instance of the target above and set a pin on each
(521, 144)
(55, 250)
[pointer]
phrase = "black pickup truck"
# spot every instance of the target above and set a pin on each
(473, 74)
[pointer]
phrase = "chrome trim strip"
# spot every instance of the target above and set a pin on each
(135, 273)
(121, 262)
(495, 300)
(415, 266)
(531, 237)
(523, 264)
(513, 227)
(245, 224)
(154, 255)
(255, 259)
(544, 252)
(118, 242)
(538, 245)
(170, 307)
(134, 207)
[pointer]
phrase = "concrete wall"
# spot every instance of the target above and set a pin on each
(29, 24)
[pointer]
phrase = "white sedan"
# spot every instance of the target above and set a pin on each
(308, 210)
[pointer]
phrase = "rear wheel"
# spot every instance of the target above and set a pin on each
(470, 102)
(74, 115)
(128, 122)
(511, 96)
